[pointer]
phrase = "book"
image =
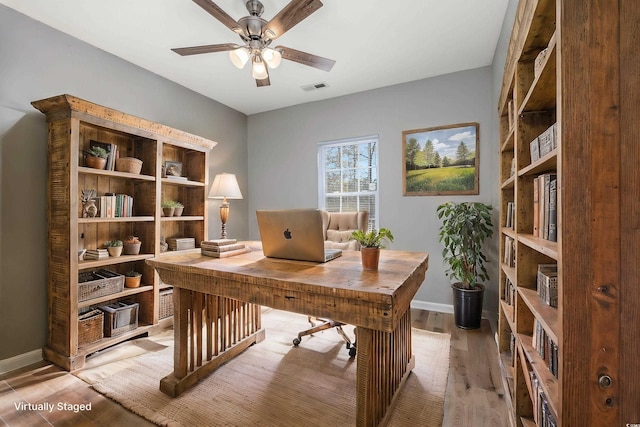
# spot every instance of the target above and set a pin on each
(225, 254)
(224, 248)
(536, 206)
(534, 148)
(218, 242)
(553, 211)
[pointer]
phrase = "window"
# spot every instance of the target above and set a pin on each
(348, 176)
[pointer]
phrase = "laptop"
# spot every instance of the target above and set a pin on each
(294, 234)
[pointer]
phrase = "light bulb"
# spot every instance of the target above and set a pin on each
(259, 70)
(239, 57)
(272, 57)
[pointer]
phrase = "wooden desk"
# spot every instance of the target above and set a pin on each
(217, 313)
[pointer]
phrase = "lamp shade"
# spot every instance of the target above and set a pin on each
(259, 69)
(239, 57)
(272, 57)
(225, 185)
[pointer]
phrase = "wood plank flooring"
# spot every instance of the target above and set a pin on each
(474, 390)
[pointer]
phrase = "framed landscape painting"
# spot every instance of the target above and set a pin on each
(441, 160)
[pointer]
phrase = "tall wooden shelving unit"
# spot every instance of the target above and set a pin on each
(73, 123)
(588, 84)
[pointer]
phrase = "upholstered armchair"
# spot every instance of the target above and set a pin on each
(338, 227)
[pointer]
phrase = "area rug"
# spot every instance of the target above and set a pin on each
(272, 383)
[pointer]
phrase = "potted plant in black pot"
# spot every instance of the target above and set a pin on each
(465, 227)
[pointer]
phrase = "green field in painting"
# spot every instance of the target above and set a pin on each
(453, 178)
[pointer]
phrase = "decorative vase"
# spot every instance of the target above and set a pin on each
(131, 248)
(95, 162)
(89, 209)
(132, 282)
(114, 251)
(467, 306)
(370, 258)
(178, 211)
(168, 211)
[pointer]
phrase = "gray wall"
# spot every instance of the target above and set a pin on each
(38, 62)
(283, 168)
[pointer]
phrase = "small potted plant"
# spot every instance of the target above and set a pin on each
(96, 157)
(465, 227)
(114, 247)
(168, 207)
(371, 242)
(131, 245)
(179, 207)
(132, 279)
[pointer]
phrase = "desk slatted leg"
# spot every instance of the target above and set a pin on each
(209, 330)
(384, 362)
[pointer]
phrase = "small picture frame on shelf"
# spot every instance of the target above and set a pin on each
(173, 170)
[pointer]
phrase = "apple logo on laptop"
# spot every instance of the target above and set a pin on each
(287, 234)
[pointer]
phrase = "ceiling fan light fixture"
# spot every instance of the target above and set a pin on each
(239, 57)
(259, 69)
(272, 57)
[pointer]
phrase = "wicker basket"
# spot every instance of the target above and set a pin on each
(120, 317)
(128, 164)
(90, 327)
(165, 303)
(94, 284)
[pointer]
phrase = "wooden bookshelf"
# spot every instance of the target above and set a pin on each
(73, 124)
(586, 84)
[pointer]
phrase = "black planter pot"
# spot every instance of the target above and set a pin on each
(467, 306)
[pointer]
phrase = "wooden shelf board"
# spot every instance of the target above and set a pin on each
(182, 218)
(109, 341)
(119, 219)
(526, 422)
(541, 245)
(546, 315)
(509, 314)
(509, 271)
(508, 183)
(508, 144)
(115, 174)
(125, 293)
(542, 94)
(83, 265)
(184, 183)
(548, 382)
(547, 163)
(509, 232)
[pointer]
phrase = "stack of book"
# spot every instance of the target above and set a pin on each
(222, 248)
(181, 243)
(96, 254)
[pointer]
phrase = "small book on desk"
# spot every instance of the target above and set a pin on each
(225, 254)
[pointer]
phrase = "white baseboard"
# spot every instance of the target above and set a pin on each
(432, 306)
(20, 361)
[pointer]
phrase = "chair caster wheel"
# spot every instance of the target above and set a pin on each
(296, 341)
(352, 352)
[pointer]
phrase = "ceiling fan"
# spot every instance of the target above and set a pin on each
(257, 34)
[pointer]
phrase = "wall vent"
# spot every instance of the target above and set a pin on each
(315, 86)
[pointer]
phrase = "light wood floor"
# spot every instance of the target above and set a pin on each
(474, 391)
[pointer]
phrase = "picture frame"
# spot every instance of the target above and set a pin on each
(442, 160)
(172, 169)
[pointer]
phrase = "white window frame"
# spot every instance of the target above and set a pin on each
(374, 219)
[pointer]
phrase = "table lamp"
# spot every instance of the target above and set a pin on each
(225, 186)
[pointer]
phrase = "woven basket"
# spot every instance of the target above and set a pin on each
(165, 303)
(90, 327)
(94, 284)
(128, 164)
(120, 317)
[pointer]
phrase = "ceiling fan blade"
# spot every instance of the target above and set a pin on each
(209, 48)
(289, 16)
(305, 58)
(263, 82)
(215, 11)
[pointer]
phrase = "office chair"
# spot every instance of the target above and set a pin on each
(338, 227)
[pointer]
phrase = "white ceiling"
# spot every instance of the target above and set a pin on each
(375, 43)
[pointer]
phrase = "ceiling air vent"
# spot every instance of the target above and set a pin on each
(314, 86)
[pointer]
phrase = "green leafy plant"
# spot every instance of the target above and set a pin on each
(465, 227)
(179, 205)
(113, 243)
(97, 152)
(171, 204)
(373, 238)
(132, 273)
